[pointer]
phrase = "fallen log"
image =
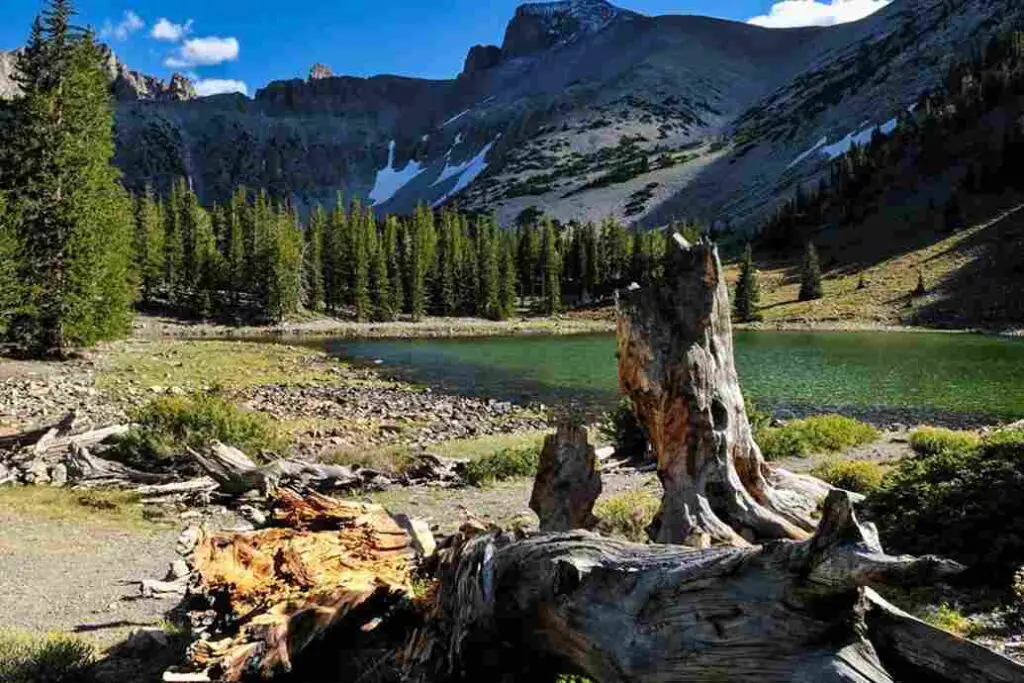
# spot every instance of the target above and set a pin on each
(84, 467)
(11, 442)
(326, 565)
(675, 352)
(237, 474)
(331, 588)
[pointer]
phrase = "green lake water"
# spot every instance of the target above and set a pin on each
(912, 375)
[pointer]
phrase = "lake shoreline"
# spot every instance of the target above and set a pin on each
(571, 324)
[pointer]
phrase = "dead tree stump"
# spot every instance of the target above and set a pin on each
(675, 353)
(567, 483)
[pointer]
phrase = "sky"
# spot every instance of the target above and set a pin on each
(230, 45)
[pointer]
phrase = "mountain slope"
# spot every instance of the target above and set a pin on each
(585, 110)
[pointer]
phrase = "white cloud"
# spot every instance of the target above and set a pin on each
(791, 13)
(129, 24)
(203, 52)
(165, 29)
(219, 86)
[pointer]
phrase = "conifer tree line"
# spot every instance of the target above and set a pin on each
(973, 124)
(255, 258)
(65, 221)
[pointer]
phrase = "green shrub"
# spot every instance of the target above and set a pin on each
(507, 463)
(819, 434)
(627, 515)
(622, 429)
(859, 476)
(965, 505)
(949, 618)
(932, 441)
(167, 425)
(54, 658)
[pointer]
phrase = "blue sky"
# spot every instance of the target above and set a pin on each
(227, 43)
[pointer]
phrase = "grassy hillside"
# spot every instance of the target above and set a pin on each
(973, 278)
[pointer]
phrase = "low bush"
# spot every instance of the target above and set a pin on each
(859, 476)
(167, 425)
(501, 465)
(932, 441)
(963, 504)
(627, 515)
(819, 434)
(55, 658)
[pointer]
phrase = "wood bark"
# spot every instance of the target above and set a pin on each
(675, 351)
(237, 474)
(568, 482)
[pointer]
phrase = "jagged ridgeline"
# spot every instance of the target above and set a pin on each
(585, 110)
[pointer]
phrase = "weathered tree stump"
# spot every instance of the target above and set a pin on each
(675, 353)
(567, 483)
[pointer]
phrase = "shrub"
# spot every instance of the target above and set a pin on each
(949, 618)
(963, 504)
(623, 429)
(928, 441)
(167, 425)
(627, 515)
(54, 658)
(819, 434)
(507, 463)
(859, 476)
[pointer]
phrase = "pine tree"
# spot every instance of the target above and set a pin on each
(810, 287)
(592, 265)
(507, 276)
(10, 287)
(748, 291)
(313, 260)
(172, 240)
(448, 257)
(335, 258)
(380, 283)
(234, 244)
(284, 262)
(74, 225)
(551, 266)
(359, 265)
(488, 291)
(149, 244)
(396, 294)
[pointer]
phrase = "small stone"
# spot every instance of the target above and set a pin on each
(147, 640)
(188, 540)
(58, 475)
(178, 570)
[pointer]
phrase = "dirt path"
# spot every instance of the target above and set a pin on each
(69, 576)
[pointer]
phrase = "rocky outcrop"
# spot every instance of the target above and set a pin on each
(481, 58)
(542, 25)
(320, 71)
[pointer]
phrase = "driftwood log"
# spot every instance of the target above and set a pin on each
(568, 482)
(237, 474)
(331, 588)
(675, 353)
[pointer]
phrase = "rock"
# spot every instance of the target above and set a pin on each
(162, 589)
(59, 475)
(37, 472)
(319, 72)
(422, 537)
(188, 540)
(481, 58)
(255, 516)
(178, 570)
(146, 641)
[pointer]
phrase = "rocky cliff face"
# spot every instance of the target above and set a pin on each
(585, 110)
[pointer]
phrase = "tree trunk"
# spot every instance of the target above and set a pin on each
(567, 483)
(675, 355)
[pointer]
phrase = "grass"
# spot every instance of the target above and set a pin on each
(819, 434)
(389, 459)
(949, 618)
(627, 515)
(195, 365)
(51, 658)
(859, 476)
(932, 441)
(477, 447)
(98, 507)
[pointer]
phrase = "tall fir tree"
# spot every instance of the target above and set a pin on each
(284, 265)
(551, 268)
(10, 286)
(234, 245)
(149, 244)
(748, 290)
(396, 295)
(313, 260)
(74, 220)
(810, 285)
(173, 257)
(359, 263)
(488, 288)
(507, 276)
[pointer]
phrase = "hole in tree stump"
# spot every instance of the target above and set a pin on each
(719, 415)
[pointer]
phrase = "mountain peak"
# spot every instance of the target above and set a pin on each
(541, 25)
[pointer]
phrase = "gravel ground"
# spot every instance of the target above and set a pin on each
(66, 576)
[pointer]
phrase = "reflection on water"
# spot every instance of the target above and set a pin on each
(945, 373)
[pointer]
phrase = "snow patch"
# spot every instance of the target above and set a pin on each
(821, 143)
(467, 172)
(837, 149)
(390, 180)
(455, 118)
